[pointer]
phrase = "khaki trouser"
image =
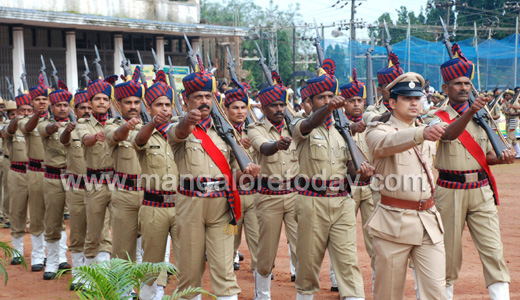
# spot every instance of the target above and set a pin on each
(156, 223)
(36, 202)
(125, 212)
(249, 221)
(327, 222)
(203, 228)
(475, 207)
(54, 197)
(511, 134)
(6, 163)
(97, 202)
(362, 195)
(271, 211)
(391, 263)
(2, 194)
(19, 200)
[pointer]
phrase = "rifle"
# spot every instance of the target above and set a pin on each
(369, 86)
(342, 123)
(492, 104)
(84, 76)
(99, 71)
(222, 124)
(24, 79)
(482, 116)
(388, 39)
(10, 88)
(176, 99)
(42, 71)
(54, 76)
(232, 73)
(210, 67)
(191, 55)
(261, 62)
(141, 65)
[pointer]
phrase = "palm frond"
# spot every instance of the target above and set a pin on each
(9, 254)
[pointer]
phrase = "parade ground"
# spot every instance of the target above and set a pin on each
(24, 284)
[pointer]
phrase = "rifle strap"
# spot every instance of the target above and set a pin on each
(474, 149)
(222, 163)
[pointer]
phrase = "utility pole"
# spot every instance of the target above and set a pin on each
(446, 5)
(294, 56)
(273, 41)
(352, 15)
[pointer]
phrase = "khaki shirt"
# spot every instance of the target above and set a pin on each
(54, 149)
(123, 153)
(374, 111)
(5, 150)
(284, 163)
(391, 145)
(97, 156)
(192, 160)
(159, 171)
(33, 140)
(452, 155)
(322, 152)
(15, 145)
(74, 154)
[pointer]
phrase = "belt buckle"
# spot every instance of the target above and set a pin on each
(422, 203)
(169, 198)
(211, 186)
(63, 172)
(332, 190)
(471, 177)
(285, 185)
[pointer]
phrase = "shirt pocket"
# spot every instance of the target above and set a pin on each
(294, 155)
(456, 148)
(319, 150)
(273, 158)
(155, 158)
(404, 158)
(77, 149)
(195, 153)
(126, 151)
(97, 149)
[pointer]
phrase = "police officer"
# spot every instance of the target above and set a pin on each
(99, 167)
(18, 175)
(236, 108)
(204, 218)
(465, 187)
(325, 214)
(511, 111)
(54, 191)
(11, 112)
(157, 214)
(128, 195)
(385, 76)
(405, 223)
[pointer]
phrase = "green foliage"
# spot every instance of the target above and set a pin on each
(115, 279)
(9, 254)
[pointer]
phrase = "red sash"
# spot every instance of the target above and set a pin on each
(474, 149)
(222, 163)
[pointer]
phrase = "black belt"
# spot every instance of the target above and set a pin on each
(53, 170)
(155, 198)
(461, 177)
(191, 185)
(19, 167)
(6, 156)
(276, 185)
(322, 190)
(34, 164)
(98, 174)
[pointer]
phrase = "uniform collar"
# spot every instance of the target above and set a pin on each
(400, 124)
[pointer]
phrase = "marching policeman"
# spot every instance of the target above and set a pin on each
(11, 112)
(511, 111)
(405, 223)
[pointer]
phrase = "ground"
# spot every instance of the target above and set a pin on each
(29, 285)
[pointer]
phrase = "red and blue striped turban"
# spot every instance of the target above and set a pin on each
(102, 86)
(458, 66)
(131, 87)
(80, 97)
(390, 73)
(277, 92)
(200, 81)
(326, 81)
(238, 94)
(61, 95)
(353, 89)
(40, 90)
(158, 89)
(23, 99)
(304, 93)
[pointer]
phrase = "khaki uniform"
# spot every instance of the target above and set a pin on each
(75, 197)
(35, 171)
(248, 221)
(127, 196)
(157, 220)
(273, 208)
(511, 123)
(374, 111)
(201, 221)
(98, 195)
(474, 207)
(325, 221)
(53, 189)
(5, 165)
(399, 233)
(496, 111)
(18, 185)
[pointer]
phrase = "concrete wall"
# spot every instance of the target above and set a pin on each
(156, 10)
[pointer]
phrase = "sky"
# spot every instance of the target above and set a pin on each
(369, 11)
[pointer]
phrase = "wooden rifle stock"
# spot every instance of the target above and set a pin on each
(342, 125)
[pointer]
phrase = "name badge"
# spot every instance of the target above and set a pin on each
(155, 147)
(318, 137)
(194, 140)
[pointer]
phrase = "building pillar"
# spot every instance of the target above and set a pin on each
(118, 44)
(18, 57)
(159, 44)
(71, 61)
